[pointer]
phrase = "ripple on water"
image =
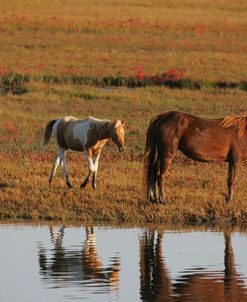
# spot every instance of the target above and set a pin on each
(59, 263)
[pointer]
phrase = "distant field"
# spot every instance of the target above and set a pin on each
(201, 39)
(44, 48)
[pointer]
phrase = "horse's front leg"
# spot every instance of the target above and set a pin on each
(152, 184)
(232, 169)
(89, 157)
(96, 156)
(165, 162)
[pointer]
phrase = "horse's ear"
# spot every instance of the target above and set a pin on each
(123, 121)
(115, 121)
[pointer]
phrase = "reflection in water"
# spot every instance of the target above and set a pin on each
(77, 266)
(194, 285)
(59, 264)
(42, 263)
(155, 282)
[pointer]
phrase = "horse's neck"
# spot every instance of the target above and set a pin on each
(103, 130)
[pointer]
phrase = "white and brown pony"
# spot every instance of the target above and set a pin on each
(88, 135)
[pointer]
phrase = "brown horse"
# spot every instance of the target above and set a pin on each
(201, 139)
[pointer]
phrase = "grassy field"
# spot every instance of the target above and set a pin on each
(194, 190)
(98, 39)
(110, 38)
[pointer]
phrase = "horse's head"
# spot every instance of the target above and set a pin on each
(118, 134)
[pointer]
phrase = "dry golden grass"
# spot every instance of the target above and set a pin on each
(195, 191)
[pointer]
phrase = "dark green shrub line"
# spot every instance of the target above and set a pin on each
(167, 80)
(170, 82)
(14, 79)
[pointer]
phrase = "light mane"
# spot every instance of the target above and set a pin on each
(97, 122)
(237, 123)
(69, 118)
(118, 123)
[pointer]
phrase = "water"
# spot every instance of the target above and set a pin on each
(57, 263)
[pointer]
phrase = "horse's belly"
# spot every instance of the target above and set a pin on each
(72, 143)
(204, 157)
(205, 151)
(76, 147)
(205, 144)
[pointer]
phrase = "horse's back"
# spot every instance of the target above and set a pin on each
(178, 117)
(199, 138)
(62, 123)
(71, 132)
(69, 118)
(170, 125)
(181, 123)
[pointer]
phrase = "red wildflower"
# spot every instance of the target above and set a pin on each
(139, 75)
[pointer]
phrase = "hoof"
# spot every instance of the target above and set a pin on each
(229, 197)
(228, 200)
(69, 185)
(83, 185)
(153, 200)
(94, 185)
(162, 201)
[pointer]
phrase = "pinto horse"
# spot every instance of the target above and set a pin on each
(201, 139)
(88, 135)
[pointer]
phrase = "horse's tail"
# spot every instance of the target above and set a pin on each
(48, 132)
(150, 157)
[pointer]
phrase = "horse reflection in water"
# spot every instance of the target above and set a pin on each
(80, 266)
(156, 284)
(154, 276)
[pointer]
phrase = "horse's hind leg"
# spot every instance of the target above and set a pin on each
(90, 168)
(64, 167)
(54, 167)
(231, 179)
